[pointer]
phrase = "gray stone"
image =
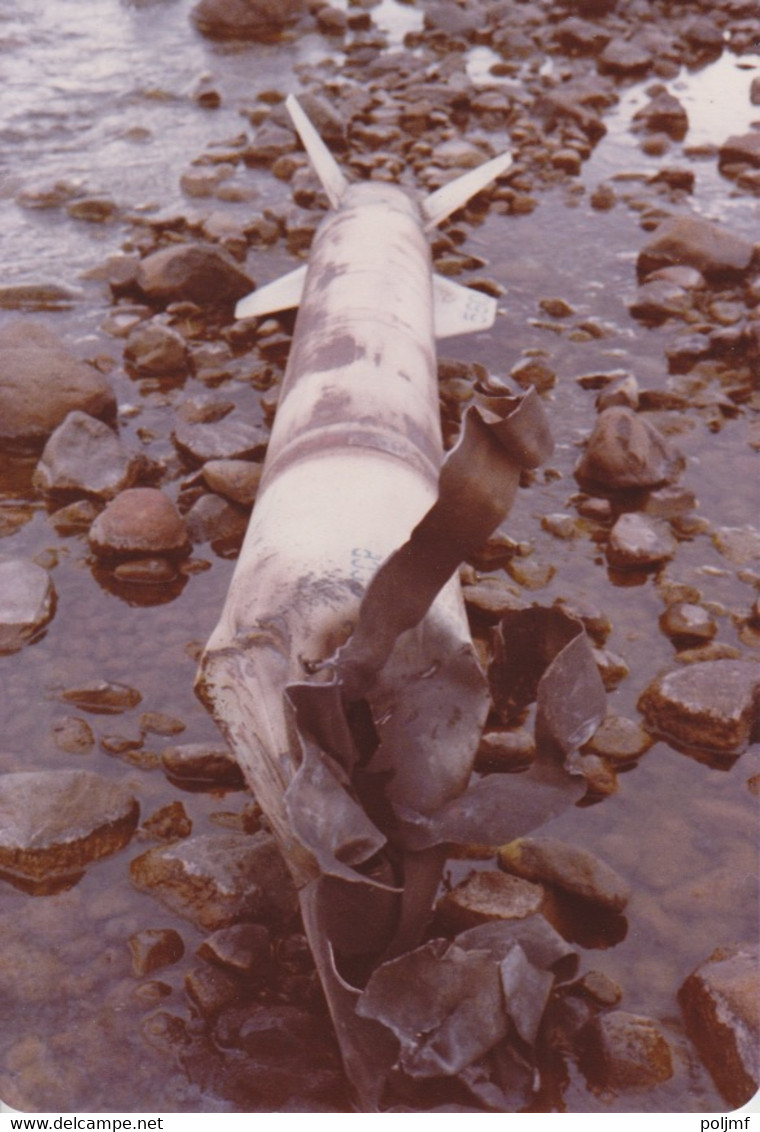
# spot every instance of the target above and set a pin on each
(695, 242)
(27, 600)
(624, 1051)
(141, 521)
(229, 439)
(720, 1002)
(637, 541)
(219, 879)
(197, 272)
(55, 823)
(711, 704)
(86, 457)
(41, 382)
(625, 451)
(568, 867)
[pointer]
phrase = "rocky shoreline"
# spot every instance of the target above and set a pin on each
(127, 479)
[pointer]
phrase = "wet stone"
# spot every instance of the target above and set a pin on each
(223, 440)
(197, 272)
(102, 697)
(600, 988)
(491, 597)
(243, 949)
(53, 824)
(659, 299)
(154, 948)
(720, 1002)
(530, 573)
(624, 391)
(688, 624)
(713, 250)
(213, 519)
(612, 668)
(141, 521)
(73, 735)
(236, 480)
(663, 114)
(624, 1051)
(203, 762)
(86, 457)
(601, 779)
(27, 601)
(639, 542)
(568, 867)
(710, 704)
(155, 349)
(212, 990)
(741, 149)
(169, 823)
(219, 879)
(625, 451)
(505, 750)
(75, 517)
(534, 372)
(146, 571)
(159, 723)
(487, 896)
(41, 382)
(625, 58)
(740, 545)
(619, 740)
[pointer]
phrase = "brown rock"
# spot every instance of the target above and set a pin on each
(688, 624)
(27, 602)
(710, 248)
(200, 273)
(486, 896)
(156, 349)
(203, 762)
(244, 949)
(141, 521)
(73, 735)
(505, 750)
(625, 58)
(219, 879)
(625, 451)
(244, 19)
(229, 439)
(720, 1002)
(712, 704)
(568, 867)
(41, 382)
(154, 948)
(102, 697)
(54, 824)
(86, 457)
(620, 740)
(212, 990)
(169, 823)
(625, 1051)
(639, 542)
(663, 114)
(236, 480)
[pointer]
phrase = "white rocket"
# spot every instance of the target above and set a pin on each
(355, 713)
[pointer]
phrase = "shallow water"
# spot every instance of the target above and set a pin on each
(100, 94)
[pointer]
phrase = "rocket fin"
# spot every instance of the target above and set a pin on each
(460, 310)
(452, 196)
(280, 295)
(324, 164)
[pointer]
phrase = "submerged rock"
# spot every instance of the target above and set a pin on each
(568, 867)
(55, 823)
(141, 521)
(219, 879)
(720, 1002)
(712, 704)
(624, 452)
(27, 601)
(86, 457)
(41, 382)
(692, 241)
(102, 697)
(625, 1051)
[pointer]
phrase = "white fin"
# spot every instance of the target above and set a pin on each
(323, 162)
(280, 295)
(460, 310)
(452, 196)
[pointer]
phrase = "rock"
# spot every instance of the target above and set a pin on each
(53, 824)
(154, 948)
(624, 1051)
(601, 778)
(41, 382)
(687, 624)
(619, 740)
(491, 597)
(740, 545)
(637, 541)
(534, 372)
(270, 143)
(568, 867)
(73, 735)
(581, 37)
(711, 704)
(658, 299)
(229, 439)
(203, 762)
(169, 823)
(102, 697)
(600, 988)
(505, 750)
(244, 949)
(219, 879)
(244, 19)
(705, 34)
(720, 1002)
(236, 480)
(141, 521)
(612, 668)
(486, 896)
(213, 519)
(196, 272)
(625, 58)
(663, 114)
(86, 457)
(146, 572)
(211, 990)
(27, 601)
(624, 391)
(155, 349)
(595, 621)
(625, 451)
(694, 242)
(159, 723)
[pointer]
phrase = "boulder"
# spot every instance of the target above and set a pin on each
(695, 242)
(55, 823)
(712, 704)
(27, 601)
(626, 452)
(197, 272)
(41, 382)
(86, 457)
(720, 1002)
